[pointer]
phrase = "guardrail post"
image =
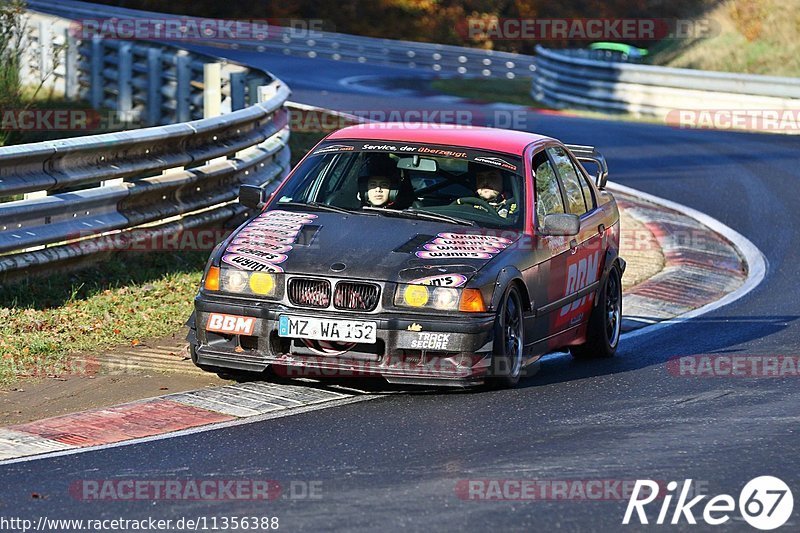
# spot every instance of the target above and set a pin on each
(237, 90)
(154, 81)
(212, 89)
(265, 92)
(253, 85)
(96, 75)
(71, 86)
(34, 194)
(124, 85)
(45, 42)
(183, 91)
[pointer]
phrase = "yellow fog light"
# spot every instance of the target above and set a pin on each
(415, 295)
(262, 283)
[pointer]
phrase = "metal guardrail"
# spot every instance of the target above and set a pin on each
(82, 190)
(566, 78)
(146, 84)
(434, 58)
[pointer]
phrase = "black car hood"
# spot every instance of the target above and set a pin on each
(374, 247)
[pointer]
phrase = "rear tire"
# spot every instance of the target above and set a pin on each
(509, 342)
(605, 323)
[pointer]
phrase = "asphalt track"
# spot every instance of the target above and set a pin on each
(394, 463)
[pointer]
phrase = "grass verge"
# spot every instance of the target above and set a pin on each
(516, 91)
(119, 302)
(125, 299)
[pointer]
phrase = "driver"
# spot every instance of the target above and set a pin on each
(379, 185)
(489, 187)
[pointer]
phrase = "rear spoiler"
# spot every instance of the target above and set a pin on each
(591, 155)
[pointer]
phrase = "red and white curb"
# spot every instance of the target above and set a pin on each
(708, 265)
(165, 416)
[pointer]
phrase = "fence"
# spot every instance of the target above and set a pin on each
(79, 191)
(566, 78)
(434, 58)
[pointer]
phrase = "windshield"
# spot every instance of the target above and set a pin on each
(449, 184)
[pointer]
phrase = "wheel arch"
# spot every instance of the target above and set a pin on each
(508, 276)
(612, 259)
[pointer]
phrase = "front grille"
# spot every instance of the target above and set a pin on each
(357, 296)
(310, 292)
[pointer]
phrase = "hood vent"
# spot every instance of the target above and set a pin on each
(413, 244)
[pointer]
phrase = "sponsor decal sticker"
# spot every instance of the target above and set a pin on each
(250, 263)
(497, 162)
(580, 275)
(441, 280)
(260, 245)
(334, 148)
(275, 225)
(271, 231)
(262, 239)
(237, 325)
(442, 255)
(252, 251)
(461, 247)
(473, 237)
(431, 341)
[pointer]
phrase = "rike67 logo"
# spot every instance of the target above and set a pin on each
(765, 503)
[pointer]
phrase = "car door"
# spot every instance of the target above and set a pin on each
(583, 262)
(547, 287)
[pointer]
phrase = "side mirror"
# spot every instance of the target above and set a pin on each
(252, 196)
(561, 224)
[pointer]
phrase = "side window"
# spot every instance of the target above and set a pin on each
(587, 192)
(572, 182)
(548, 192)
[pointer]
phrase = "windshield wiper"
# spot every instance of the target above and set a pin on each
(440, 216)
(418, 214)
(319, 206)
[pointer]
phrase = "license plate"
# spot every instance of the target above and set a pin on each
(325, 329)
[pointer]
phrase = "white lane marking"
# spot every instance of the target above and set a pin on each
(200, 429)
(16, 443)
(756, 262)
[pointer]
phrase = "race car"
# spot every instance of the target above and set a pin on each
(444, 255)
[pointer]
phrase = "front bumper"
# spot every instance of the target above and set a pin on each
(411, 348)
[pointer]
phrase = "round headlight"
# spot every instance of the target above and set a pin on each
(235, 280)
(262, 283)
(415, 295)
(444, 298)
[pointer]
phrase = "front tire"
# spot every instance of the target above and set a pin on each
(509, 342)
(605, 323)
